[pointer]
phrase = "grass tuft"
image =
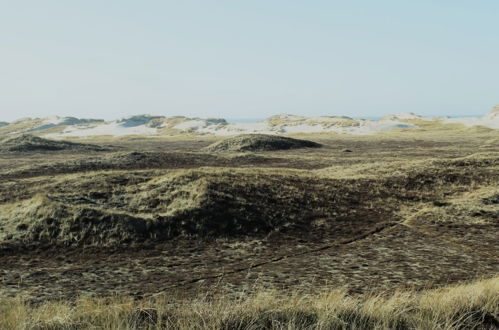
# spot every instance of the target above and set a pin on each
(466, 306)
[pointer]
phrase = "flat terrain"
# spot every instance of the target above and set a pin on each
(151, 216)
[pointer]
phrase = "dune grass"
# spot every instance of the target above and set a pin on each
(260, 142)
(121, 207)
(466, 306)
(463, 189)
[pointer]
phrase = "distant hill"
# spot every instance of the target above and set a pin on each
(147, 125)
(494, 113)
(490, 120)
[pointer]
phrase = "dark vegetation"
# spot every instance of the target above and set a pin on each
(151, 216)
(31, 143)
(260, 142)
(128, 207)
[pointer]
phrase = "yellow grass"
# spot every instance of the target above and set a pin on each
(466, 306)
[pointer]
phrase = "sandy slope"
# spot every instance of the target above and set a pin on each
(58, 127)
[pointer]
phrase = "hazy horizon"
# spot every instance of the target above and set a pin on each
(247, 60)
(244, 120)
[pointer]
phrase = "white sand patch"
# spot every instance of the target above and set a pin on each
(238, 128)
(191, 125)
(288, 117)
(329, 119)
(196, 124)
(112, 128)
(53, 120)
(278, 124)
(138, 120)
(409, 116)
(219, 127)
(315, 125)
(304, 128)
(490, 120)
(363, 127)
(291, 124)
(374, 126)
(263, 127)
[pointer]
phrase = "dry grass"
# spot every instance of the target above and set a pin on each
(30, 143)
(436, 192)
(107, 208)
(469, 306)
(260, 142)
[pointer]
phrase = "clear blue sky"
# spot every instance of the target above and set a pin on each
(247, 59)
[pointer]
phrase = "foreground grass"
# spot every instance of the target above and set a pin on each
(470, 306)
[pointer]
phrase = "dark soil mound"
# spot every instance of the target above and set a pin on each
(113, 208)
(260, 142)
(110, 209)
(27, 143)
(147, 160)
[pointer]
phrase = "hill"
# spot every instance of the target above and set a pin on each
(30, 143)
(105, 209)
(260, 142)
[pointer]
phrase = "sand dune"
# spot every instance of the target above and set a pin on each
(59, 127)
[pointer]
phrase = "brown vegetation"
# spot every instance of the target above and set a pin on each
(165, 217)
(260, 142)
(122, 207)
(31, 143)
(470, 306)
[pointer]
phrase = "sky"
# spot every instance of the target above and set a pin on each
(247, 59)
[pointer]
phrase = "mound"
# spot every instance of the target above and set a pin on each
(122, 208)
(27, 143)
(145, 160)
(260, 142)
(106, 209)
(138, 120)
